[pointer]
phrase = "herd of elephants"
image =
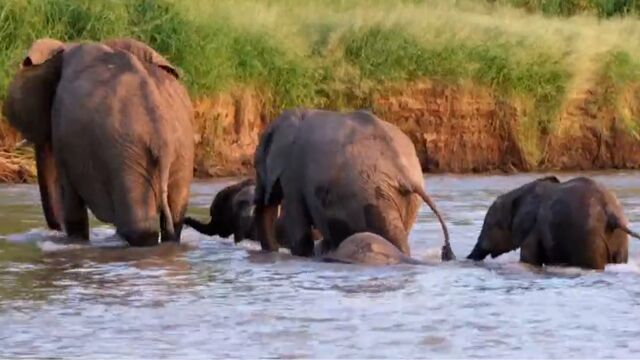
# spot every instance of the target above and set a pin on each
(111, 124)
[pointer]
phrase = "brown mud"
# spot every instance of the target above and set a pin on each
(456, 128)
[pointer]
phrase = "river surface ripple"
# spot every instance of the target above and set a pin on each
(208, 298)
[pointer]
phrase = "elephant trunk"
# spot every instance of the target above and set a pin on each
(614, 222)
(265, 218)
(478, 253)
(49, 184)
(207, 229)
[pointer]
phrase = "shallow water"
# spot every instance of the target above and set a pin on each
(210, 299)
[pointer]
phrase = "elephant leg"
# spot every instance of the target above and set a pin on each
(297, 225)
(619, 246)
(136, 210)
(49, 184)
(76, 218)
(266, 216)
(179, 205)
(595, 252)
(139, 235)
(531, 251)
(165, 235)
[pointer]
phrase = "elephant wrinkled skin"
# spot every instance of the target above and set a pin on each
(342, 173)
(574, 223)
(111, 125)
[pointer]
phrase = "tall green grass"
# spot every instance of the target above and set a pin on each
(316, 51)
(337, 53)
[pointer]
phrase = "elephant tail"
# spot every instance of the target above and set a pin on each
(629, 231)
(447, 252)
(166, 212)
(615, 223)
(168, 226)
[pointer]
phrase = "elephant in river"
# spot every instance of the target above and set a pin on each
(232, 213)
(342, 173)
(366, 248)
(111, 125)
(573, 223)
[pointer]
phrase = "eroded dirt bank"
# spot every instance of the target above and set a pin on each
(455, 129)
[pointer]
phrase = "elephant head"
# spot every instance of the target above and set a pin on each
(30, 99)
(231, 213)
(365, 248)
(510, 219)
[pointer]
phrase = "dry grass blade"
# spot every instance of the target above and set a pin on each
(16, 167)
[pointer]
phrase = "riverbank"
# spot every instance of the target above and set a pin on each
(478, 86)
(455, 128)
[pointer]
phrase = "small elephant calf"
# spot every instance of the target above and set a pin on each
(231, 213)
(572, 223)
(364, 248)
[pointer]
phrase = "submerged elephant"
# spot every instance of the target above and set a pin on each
(342, 173)
(111, 125)
(232, 213)
(575, 223)
(366, 248)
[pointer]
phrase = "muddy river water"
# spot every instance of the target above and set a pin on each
(208, 298)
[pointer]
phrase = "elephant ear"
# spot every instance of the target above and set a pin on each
(272, 155)
(550, 179)
(144, 53)
(523, 205)
(31, 92)
(223, 216)
(41, 51)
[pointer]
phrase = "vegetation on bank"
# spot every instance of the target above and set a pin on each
(600, 8)
(338, 53)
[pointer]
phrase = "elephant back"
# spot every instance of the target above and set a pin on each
(176, 97)
(30, 97)
(144, 53)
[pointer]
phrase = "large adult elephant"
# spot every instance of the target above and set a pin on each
(342, 173)
(111, 125)
(576, 223)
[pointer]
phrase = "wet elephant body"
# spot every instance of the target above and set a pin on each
(365, 249)
(342, 173)
(111, 125)
(231, 213)
(575, 223)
